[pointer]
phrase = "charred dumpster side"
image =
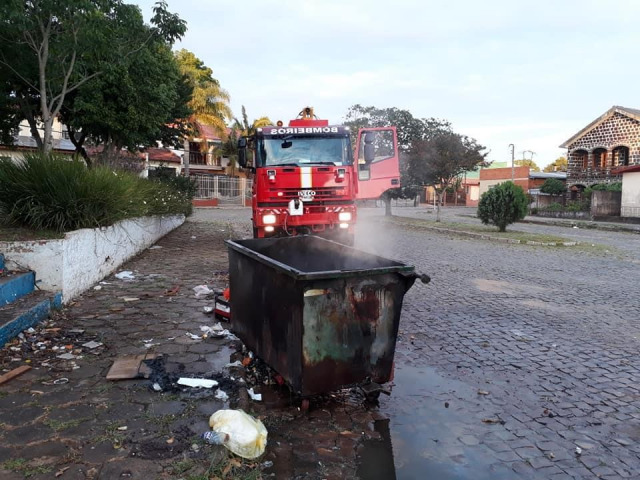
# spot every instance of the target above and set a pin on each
(321, 314)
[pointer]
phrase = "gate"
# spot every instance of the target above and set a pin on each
(227, 190)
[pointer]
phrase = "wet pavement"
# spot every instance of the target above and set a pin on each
(515, 362)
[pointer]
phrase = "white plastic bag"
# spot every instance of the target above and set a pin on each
(202, 291)
(241, 433)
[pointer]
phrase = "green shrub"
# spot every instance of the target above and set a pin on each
(553, 186)
(50, 192)
(554, 207)
(502, 205)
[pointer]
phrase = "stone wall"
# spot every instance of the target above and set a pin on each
(617, 131)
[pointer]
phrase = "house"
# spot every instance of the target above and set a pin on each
(24, 142)
(596, 153)
(630, 200)
(530, 181)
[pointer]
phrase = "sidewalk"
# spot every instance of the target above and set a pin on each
(63, 419)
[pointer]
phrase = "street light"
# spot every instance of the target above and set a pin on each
(512, 160)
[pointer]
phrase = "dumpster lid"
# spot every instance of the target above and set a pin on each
(311, 257)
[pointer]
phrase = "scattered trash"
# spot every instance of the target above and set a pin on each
(14, 373)
(130, 366)
(156, 386)
(149, 345)
(267, 464)
(130, 299)
(202, 291)
(578, 451)
(197, 382)
(220, 395)
(172, 291)
(97, 287)
(67, 356)
(122, 429)
(170, 440)
(154, 247)
(193, 237)
(60, 472)
(92, 344)
(193, 336)
(237, 363)
(125, 275)
(483, 392)
(61, 381)
(207, 309)
(241, 433)
(257, 397)
(493, 421)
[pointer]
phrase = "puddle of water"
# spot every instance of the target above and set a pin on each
(421, 438)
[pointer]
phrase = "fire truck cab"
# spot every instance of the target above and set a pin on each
(307, 176)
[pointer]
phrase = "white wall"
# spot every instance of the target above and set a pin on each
(84, 257)
(630, 206)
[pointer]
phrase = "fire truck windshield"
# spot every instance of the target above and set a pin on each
(297, 150)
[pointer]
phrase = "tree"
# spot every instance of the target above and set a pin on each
(248, 129)
(503, 205)
(45, 43)
(442, 159)
(210, 102)
(558, 165)
(57, 47)
(410, 130)
(527, 163)
(553, 186)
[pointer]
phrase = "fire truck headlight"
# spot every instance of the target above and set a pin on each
(344, 225)
(269, 219)
(344, 216)
(268, 229)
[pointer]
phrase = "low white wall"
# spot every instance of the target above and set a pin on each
(84, 257)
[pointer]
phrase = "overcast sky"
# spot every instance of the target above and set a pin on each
(531, 73)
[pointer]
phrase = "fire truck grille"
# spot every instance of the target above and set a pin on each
(324, 193)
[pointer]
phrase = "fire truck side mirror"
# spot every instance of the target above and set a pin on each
(242, 152)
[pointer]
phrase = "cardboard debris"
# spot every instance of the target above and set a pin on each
(14, 373)
(130, 366)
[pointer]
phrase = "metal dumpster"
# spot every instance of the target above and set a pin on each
(321, 314)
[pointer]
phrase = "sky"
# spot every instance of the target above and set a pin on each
(528, 73)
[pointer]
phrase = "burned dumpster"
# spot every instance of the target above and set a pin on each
(321, 314)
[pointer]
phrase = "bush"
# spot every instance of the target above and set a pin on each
(50, 192)
(554, 207)
(553, 186)
(502, 205)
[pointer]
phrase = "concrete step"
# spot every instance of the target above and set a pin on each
(15, 285)
(26, 312)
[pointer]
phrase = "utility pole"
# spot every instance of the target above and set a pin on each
(512, 161)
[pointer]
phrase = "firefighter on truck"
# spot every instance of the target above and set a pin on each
(307, 177)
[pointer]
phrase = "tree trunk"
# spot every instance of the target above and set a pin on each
(387, 205)
(439, 202)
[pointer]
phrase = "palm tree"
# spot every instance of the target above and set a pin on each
(248, 129)
(209, 102)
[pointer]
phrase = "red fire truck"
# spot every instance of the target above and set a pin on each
(307, 177)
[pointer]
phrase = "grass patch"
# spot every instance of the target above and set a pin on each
(22, 466)
(231, 468)
(59, 425)
(112, 435)
(523, 237)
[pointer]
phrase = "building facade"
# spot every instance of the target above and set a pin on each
(597, 151)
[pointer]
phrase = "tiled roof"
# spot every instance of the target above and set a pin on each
(162, 155)
(629, 112)
(207, 132)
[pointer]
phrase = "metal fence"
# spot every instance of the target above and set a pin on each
(228, 190)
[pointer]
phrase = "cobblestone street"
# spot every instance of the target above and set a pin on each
(537, 350)
(516, 361)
